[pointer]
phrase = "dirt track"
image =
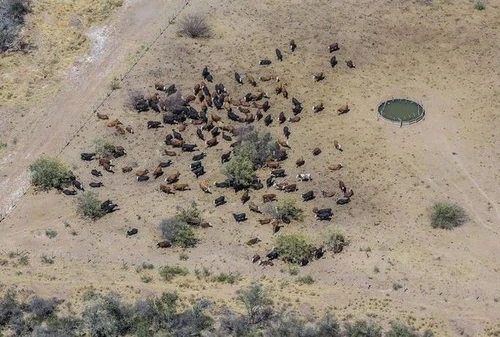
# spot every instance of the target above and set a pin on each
(400, 49)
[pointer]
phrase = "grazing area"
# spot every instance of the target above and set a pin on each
(221, 167)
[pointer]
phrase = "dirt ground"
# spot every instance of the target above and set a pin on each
(442, 53)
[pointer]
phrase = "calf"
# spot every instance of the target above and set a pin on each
(316, 151)
(166, 189)
(279, 55)
(292, 45)
(199, 156)
(164, 244)
(180, 187)
(253, 241)
(318, 107)
(133, 231)
(264, 62)
(342, 186)
(299, 162)
(350, 64)
(286, 132)
(279, 173)
(127, 169)
(337, 146)
(333, 47)
(269, 197)
(87, 156)
(343, 201)
(239, 217)
(96, 173)
(154, 125)
(266, 263)
(96, 185)
(254, 208)
(349, 193)
(188, 147)
(251, 80)
(304, 176)
(220, 201)
(308, 196)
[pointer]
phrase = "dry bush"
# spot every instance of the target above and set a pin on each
(173, 101)
(447, 215)
(89, 205)
(194, 25)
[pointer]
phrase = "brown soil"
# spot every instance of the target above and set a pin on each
(441, 53)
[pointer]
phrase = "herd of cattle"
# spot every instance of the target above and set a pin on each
(221, 116)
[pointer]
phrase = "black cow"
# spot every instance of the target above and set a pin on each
(205, 72)
(225, 184)
(225, 157)
(199, 156)
(117, 153)
(192, 113)
(164, 244)
(268, 120)
(206, 92)
(238, 78)
(343, 201)
(142, 178)
(297, 109)
(227, 138)
(188, 147)
(218, 101)
(78, 185)
(177, 135)
(308, 196)
(270, 181)
(279, 55)
(279, 173)
(165, 163)
(272, 255)
(199, 133)
(199, 171)
(333, 61)
(133, 231)
(108, 206)
(96, 173)
(154, 125)
(323, 216)
(87, 156)
(69, 192)
(195, 165)
(171, 90)
(295, 101)
(141, 105)
(286, 132)
(215, 131)
(239, 217)
(96, 185)
(234, 117)
(220, 201)
(235, 144)
(168, 119)
(265, 62)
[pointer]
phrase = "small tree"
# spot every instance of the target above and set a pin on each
(447, 215)
(89, 205)
(293, 248)
(169, 272)
(257, 303)
(254, 145)
(240, 169)
(287, 209)
(194, 25)
(47, 173)
(335, 240)
(103, 147)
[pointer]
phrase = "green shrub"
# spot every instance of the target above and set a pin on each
(287, 209)
(305, 279)
(362, 329)
(335, 240)
(398, 329)
(50, 233)
(169, 272)
(89, 205)
(229, 278)
(103, 147)
(293, 248)
(47, 259)
(194, 26)
(254, 145)
(190, 215)
(240, 169)
(479, 5)
(178, 232)
(447, 215)
(47, 173)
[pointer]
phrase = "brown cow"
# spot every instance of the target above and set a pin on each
(249, 118)
(266, 263)
(300, 162)
(105, 161)
(215, 117)
(335, 167)
(318, 107)
(129, 129)
(276, 227)
(343, 109)
(181, 127)
(119, 130)
(251, 80)
(113, 123)
(272, 164)
(181, 186)
(166, 189)
(259, 114)
(290, 188)
(212, 142)
(316, 151)
(243, 110)
(141, 172)
(157, 172)
(196, 88)
(294, 119)
(253, 241)
(337, 145)
(245, 197)
(265, 78)
(255, 258)
(205, 187)
(189, 98)
(269, 197)
(102, 116)
(281, 186)
(283, 141)
(284, 92)
(170, 153)
(318, 76)
(176, 143)
(342, 186)
(164, 244)
(349, 193)
(278, 88)
(172, 178)
(159, 86)
(127, 169)
(265, 221)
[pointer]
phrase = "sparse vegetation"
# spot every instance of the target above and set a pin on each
(183, 256)
(479, 5)
(194, 26)
(293, 248)
(376, 270)
(305, 279)
(47, 173)
(362, 329)
(190, 215)
(50, 233)
(447, 215)
(169, 272)
(257, 303)
(335, 241)
(396, 286)
(12, 14)
(23, 260)
(174, 101)
(114, 84)
(287, 209)
(47, 259)
(230, 278)
(146, 278)
(89, 205)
